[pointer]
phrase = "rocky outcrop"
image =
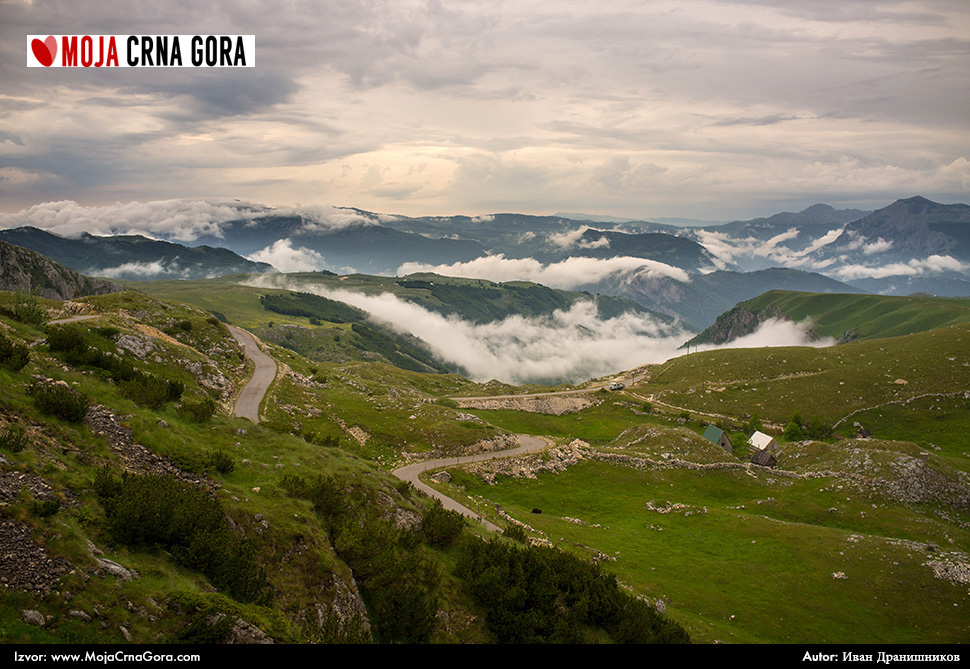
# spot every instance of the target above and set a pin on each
(24, 565)
(136, 457)
(554, 459)
(737, 322)
(23, 270)
(555, 405)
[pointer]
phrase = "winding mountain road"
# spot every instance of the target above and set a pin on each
(247, 405)
(410, 473)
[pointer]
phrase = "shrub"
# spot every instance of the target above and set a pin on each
(793, 432)
(199, 412)
(13, 439)
(447, 402)
(221, 461)
(817, 430)
(26, 309)
(46, 508)
(155, 511)
(296, 486)
(515, 533)
(14, 356)
(56, 398)
(66, 338)
(543, 595)
(440, 526)
(107, 332)
(328, 440)
(149, 391)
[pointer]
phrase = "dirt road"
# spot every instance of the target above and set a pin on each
(247, 405)
(411, 472)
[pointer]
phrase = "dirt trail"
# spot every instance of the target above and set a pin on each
(410, 473)
(247, 405)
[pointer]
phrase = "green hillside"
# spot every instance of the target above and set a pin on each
(133, 508)
(295, 529)
(843, 317)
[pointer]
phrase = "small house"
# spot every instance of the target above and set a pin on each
(764, 458)
(716, 435)
(760, 441)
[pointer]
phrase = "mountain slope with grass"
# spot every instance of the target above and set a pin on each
(134, 508)
(840, 316)
(849, 537)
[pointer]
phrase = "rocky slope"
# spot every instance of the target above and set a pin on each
(23, 270)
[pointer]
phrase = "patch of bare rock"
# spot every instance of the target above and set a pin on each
(135, 457)
(24, 565)
(555, 405)
(555, 459)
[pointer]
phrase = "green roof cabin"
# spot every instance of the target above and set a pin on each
(716, 435)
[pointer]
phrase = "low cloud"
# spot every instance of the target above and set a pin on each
(323, 218)
(772, 251)
(776, 332)
(575, 238)
(932, 265)
(176, 220)
(285, 258)
(567, 274)
(179, 220)
(572, 345)
(136, 270)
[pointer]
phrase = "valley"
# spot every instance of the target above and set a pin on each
(320, 508)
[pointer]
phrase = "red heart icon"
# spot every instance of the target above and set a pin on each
(44, 51)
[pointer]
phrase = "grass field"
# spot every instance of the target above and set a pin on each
(753, 557)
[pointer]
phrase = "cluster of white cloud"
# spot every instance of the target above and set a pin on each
(179, 220)
(776, 332)
(567, 274)
(284, 257)
(175, 220)
(136, 270)
(571, 238)
(573, 345)
(322, 218)
(915, 267)
(751, 253)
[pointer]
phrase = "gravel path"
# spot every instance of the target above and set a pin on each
(247, 406)
(410, 473)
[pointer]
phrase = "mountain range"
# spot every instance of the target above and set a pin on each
(690, 273)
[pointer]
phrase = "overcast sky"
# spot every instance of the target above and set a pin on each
(713, 110)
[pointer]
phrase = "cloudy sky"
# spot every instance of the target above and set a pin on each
(705, 109)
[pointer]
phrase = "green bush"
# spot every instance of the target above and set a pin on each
(26, 309)
(515, 533)
(543, 595)
(13, 439)
(14, 356)
(328, 440)
(440, 526)
(222, 462)
(199, 412)
(793, 432)
(154, 511)
(46, 508)
(65, 338)
(58, 399)
(150, 391)
(399, 585)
